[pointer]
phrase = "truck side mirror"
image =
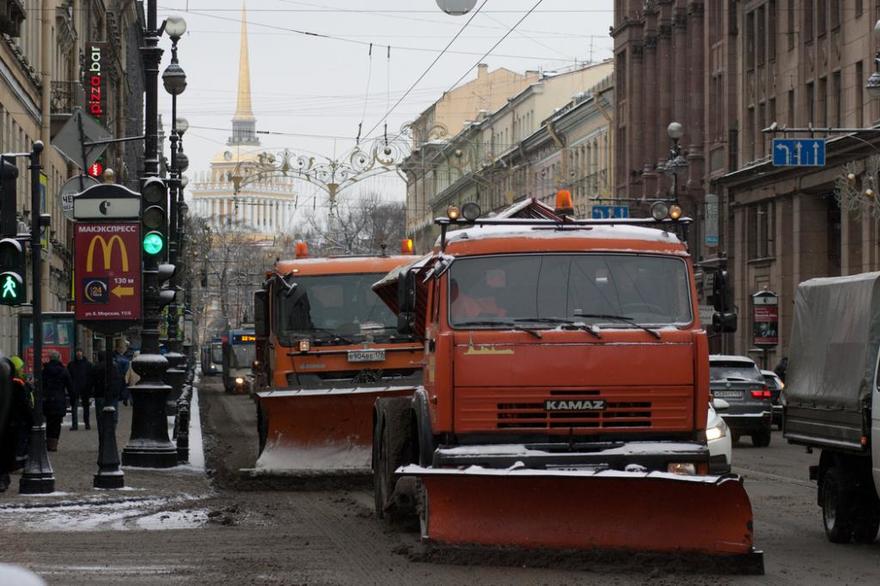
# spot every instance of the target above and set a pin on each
(261, 314)
(405, 323)
(724, 322)
(406, 293)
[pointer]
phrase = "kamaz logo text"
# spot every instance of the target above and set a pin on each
(575, 405)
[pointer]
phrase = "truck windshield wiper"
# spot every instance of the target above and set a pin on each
(622, 318)
(566, 324)
(326, 335)
(504, 324)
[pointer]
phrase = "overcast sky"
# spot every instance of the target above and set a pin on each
(317, 90)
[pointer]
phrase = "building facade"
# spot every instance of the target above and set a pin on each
(804, 64)
(727, 71)
(50, 51)
(506, 155)
(233, 193)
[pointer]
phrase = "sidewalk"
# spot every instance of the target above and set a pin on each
(75, 464)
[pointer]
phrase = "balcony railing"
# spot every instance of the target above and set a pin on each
(66, 95)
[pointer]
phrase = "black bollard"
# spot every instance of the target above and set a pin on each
(109, 475)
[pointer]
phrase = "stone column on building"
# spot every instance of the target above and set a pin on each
(667, 80)
(691, 30)
(650, 105)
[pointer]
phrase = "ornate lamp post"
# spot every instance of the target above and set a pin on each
(174, 80)
(149, 445)
(676, 163)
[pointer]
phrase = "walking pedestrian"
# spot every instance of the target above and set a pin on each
(15, 417)
(7, 435)
(22, 411)
(122, 363)
(98, 386)
(781, 368)
(57, 385)
(79, 369)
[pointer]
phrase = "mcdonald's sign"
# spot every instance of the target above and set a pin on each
(107, 279)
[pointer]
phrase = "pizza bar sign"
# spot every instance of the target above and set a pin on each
(95, 89)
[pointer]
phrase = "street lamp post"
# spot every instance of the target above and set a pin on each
(676, 163)
(38, 476)
(149, 445)
(174, 80)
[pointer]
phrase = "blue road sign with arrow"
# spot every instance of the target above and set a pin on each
(606, 212)
(799, 152)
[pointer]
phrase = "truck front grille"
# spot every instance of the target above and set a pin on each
(522, 409)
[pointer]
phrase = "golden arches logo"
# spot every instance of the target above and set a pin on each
(107, 249)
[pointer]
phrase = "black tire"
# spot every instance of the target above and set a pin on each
(262, 430)
(837, 511)
(867, 522)
(391, 449)
(761, 439)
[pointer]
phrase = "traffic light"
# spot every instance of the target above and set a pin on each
(154, 217)
(13, 289)
(166, 294)
(8, 177)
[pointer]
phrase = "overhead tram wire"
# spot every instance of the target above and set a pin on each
(425, 72)
(498, 42)
(208, 14)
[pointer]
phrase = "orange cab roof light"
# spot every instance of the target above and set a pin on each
(406, 246)
(301, 250)
(564, 204)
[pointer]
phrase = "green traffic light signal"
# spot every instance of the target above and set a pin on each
(154, 243)
(11, 289)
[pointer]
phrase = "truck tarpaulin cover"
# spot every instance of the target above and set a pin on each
(834, 342)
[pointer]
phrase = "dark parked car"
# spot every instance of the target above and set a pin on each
(775, 384)
(737, 380)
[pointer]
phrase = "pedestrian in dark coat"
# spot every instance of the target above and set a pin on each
(98, 385)
(57, 385)
(781, 368)
(79, 369)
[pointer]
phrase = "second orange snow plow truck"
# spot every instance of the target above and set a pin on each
(327, 349)
(564, 397)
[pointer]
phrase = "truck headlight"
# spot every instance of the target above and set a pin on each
(239, 380)
(685, 468)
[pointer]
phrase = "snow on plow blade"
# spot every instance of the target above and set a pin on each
(318, 431)
(584, 510)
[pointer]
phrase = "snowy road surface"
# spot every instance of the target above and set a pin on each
(235, 532)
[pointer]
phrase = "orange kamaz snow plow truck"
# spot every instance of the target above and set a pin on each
(564, 397)
(327, 348)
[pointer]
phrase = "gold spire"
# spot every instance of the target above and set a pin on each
(243, 111)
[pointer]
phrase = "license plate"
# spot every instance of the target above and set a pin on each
(728, 394)
(366, 355)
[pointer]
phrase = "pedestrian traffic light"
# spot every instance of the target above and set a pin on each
(8, 219)
(12, 272)
(154, 216)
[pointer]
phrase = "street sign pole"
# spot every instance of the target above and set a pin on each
(38, 476)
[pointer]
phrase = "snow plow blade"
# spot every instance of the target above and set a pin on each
(652, 512)
(314, 432)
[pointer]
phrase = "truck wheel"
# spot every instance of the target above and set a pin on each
(837, 514)
(761, 439)
(390, 447)
(262, 431)
(867, 523)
